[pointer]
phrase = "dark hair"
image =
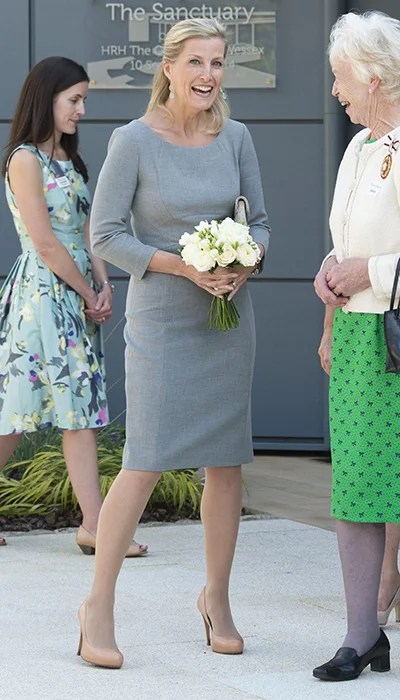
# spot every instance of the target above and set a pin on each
(34, 120)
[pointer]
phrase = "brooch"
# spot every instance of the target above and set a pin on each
(388, 159)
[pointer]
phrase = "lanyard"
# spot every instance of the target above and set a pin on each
(64, 183)
(55, 168)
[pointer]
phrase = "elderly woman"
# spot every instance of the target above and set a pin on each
(188, 388)
(355, 283)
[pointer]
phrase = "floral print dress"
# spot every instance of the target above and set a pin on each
(51, 356)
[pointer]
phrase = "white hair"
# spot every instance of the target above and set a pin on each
(370, 42)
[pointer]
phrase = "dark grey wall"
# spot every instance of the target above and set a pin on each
(292, 130)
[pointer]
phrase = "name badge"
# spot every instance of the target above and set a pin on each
(63, 181)
(374, 190)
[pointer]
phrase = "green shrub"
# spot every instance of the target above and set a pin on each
(36, 481)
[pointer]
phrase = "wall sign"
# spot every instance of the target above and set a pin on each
(126, 41)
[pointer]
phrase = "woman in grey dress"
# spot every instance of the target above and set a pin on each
(188, 388)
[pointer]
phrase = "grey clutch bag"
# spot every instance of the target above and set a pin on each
(241, 214)
(241, 210)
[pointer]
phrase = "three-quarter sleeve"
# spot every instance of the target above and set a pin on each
(381, 270)
(331, 254)
(251, 188)
(112, 202)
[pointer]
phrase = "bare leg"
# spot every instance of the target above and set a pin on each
(80, 452)
(390, 578)
(220, 514)
(120, 514)
(8, 445)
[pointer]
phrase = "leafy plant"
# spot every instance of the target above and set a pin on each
(31, 443)
(40, 484)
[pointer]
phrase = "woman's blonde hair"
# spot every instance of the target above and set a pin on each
(173, 45)
(370, 42)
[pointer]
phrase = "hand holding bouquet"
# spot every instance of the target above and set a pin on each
(224, 244)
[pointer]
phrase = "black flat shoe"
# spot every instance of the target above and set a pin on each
(346, 665)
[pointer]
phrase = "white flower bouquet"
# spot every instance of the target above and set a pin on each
(224, 244)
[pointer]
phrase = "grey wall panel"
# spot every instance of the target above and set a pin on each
(114, 352)
(299, 40)
(93, 143)
(60, 28)
(14, 52)
(291, 162)
(391, 7)
(94, 139)
(9, 243)
(288, 385)
(81, 19)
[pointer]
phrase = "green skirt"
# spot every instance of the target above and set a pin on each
(364, 407)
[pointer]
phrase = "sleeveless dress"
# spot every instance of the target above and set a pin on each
(51, 357)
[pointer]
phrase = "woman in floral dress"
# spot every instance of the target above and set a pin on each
(51, 305)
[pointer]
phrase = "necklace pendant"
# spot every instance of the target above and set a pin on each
(386, 166)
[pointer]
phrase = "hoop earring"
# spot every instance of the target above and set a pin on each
(223, 93)
(171, 92)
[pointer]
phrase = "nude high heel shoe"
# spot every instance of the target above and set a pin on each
(221, 645)
(383, 615)
(107, 658)
(87, 542)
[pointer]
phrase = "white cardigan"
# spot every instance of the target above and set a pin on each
(365, 217)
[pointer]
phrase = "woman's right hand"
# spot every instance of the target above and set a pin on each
(102, 310)
(93, 307)
(325, 351)
(90, 297)
(216, 283)
(322, 288)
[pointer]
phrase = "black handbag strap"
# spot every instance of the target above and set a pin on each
(395, 285)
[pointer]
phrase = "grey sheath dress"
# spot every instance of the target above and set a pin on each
(188, 388)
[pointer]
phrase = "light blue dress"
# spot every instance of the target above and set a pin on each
(51, 357)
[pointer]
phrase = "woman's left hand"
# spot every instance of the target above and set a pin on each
(103, 309)
(242, 275)
(349, 277)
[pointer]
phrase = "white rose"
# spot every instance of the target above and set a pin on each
(190, 253)
(203, 261)
(247, 255)
(227, 256)
(214, 253)
(232, 231)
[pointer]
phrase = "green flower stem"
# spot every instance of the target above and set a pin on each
(223, 314)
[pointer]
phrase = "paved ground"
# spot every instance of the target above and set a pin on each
(286, 597)
(292, 487)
